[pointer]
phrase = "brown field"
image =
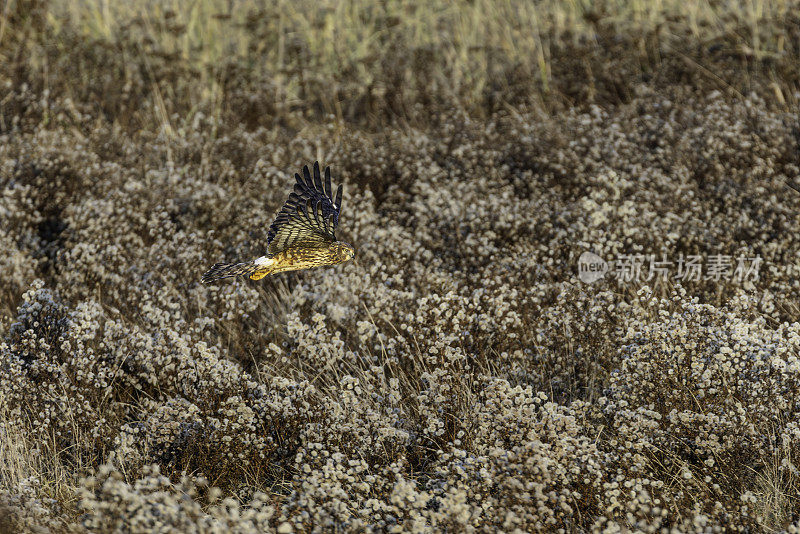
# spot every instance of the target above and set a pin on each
(458, 376)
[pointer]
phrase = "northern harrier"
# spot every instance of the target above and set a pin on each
(301, 235)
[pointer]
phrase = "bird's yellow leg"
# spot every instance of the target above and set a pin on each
(263, 267)
(258, 275)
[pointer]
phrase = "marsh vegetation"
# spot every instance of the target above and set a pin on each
(458, 376)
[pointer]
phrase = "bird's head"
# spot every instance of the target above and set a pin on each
(344, 251)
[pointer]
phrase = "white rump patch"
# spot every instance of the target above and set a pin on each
(264, 261)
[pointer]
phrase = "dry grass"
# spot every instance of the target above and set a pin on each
(161, 63)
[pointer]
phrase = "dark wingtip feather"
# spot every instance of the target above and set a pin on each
(328, 182)
(307, 177)
(317, 177)
(338, 201)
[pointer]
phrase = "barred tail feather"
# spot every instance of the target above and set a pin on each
(227, 270)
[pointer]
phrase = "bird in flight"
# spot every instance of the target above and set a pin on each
(302, 235)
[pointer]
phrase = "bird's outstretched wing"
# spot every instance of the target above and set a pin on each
(310, 214)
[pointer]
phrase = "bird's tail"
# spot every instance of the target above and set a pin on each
(227, 270)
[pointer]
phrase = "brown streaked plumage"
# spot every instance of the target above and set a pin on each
(302, 235)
